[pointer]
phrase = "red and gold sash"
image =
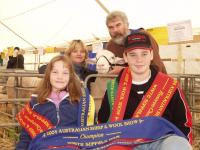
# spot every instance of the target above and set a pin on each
(157, 97)
(154, 101)
(122, 96)
(33, 122)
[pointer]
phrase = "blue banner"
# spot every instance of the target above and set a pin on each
(128, 132)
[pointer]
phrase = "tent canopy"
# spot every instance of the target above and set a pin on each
(42, 23)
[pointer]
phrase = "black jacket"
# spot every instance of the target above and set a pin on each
(16, 62)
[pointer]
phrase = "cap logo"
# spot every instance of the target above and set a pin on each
(136, 38)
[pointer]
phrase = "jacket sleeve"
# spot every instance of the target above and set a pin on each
(24, 140)
(180, 113)
(12, 62)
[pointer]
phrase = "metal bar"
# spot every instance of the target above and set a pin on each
(21, 75)
(6, 114)
(9, 124)
(97, 76)
(15, 100)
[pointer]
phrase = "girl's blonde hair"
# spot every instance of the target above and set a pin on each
(72, 46)
(74, 85)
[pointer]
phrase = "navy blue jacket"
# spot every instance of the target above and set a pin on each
(65, 115)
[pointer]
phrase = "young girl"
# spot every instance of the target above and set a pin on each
(58, 101)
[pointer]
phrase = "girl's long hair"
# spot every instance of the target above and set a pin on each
(74, 85)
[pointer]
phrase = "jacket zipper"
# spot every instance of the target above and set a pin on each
(57, 114)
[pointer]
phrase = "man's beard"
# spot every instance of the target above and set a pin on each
(119, 39)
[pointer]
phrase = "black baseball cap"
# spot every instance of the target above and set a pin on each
(138, 40)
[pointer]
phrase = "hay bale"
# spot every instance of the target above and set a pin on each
(2, 89)
(25, 93)
(28, 83)
(3, 96)
(7, 144)
(10, 84)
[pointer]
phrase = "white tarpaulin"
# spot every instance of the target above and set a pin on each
(50, 22)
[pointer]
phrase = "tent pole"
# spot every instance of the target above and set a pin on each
(17, 34)
(102, 6)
